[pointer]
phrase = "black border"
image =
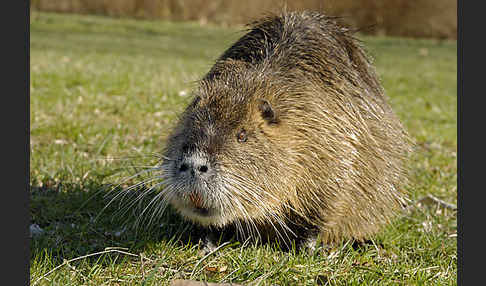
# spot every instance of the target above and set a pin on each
(24, 70)
(15, 117)
(471, 111)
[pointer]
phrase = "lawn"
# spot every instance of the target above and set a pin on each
(105, 92)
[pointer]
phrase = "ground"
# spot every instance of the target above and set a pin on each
(104, 93)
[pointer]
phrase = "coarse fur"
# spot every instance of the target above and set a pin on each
(290, 130)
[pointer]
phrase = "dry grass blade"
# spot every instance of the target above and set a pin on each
(66, 262)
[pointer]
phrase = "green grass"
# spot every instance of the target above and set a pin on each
(105, 92)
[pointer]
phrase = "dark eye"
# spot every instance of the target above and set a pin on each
(185, 148)
(241, 136)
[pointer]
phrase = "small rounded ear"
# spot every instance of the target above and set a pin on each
(267, 112)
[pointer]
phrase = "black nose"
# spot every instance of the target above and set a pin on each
(194, 167)
(203, 168)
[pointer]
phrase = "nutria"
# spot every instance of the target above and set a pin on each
(290, 130)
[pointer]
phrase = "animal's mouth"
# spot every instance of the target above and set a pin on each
(197, 205)
(194, 206)
(202, 215)
(206, 212)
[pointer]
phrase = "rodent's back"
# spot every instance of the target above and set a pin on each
(310, 42)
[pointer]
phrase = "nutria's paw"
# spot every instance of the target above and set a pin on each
(312, 244)
(207, 244)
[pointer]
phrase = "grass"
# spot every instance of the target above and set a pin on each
(103, 94)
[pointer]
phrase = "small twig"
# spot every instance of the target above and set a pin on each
(429, 199)
(430, 268)
(108, 250)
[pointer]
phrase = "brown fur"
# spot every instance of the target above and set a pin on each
(295, 131)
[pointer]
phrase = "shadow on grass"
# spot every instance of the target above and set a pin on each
(74, 223)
